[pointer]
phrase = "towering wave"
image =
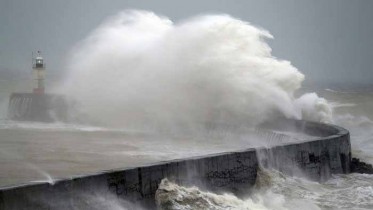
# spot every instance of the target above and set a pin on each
(140, 69)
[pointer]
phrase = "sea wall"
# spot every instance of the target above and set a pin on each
(329, 153)
(225, 172)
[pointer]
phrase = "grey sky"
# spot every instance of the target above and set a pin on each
(329, 41)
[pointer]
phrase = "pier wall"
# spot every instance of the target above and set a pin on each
(234, 172)
(37, 107)
(329, 153)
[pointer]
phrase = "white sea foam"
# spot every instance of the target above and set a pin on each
(172, 196)
(9, 124)
(275, 190)
(315, 108)
(340, 105)
(341, 192)
(344, 92)
(140, 69)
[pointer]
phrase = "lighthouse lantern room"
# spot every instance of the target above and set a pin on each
(39, 73)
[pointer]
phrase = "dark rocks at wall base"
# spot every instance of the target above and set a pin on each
(37, 107)
(358, 166)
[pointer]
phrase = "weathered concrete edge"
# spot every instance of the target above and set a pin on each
(123, 169)
(232, 171)
(316, 159)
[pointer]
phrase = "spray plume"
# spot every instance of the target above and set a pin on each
(140, 69)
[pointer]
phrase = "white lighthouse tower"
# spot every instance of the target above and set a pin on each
(39, 73)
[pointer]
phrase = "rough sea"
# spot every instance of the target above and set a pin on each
(41, 152)
(206, 68)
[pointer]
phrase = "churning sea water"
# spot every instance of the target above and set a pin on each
(164, 76)
(39, 152)
(274, 190)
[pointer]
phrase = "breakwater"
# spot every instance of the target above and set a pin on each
(225, 172)
(37, 107)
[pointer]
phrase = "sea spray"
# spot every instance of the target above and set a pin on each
(47, 178)
(315, 108)
(172, 196)
(142, 70)
(351, 191)
(275, 190)
(361, 131)
(4, 108)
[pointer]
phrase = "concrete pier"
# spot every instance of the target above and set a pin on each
(234, 172)
(37, 107)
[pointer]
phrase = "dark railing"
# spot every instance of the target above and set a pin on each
(38, 65)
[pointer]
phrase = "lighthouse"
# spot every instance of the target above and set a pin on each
(38, 66)
(38, 105)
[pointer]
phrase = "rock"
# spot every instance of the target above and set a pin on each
(358, 166)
